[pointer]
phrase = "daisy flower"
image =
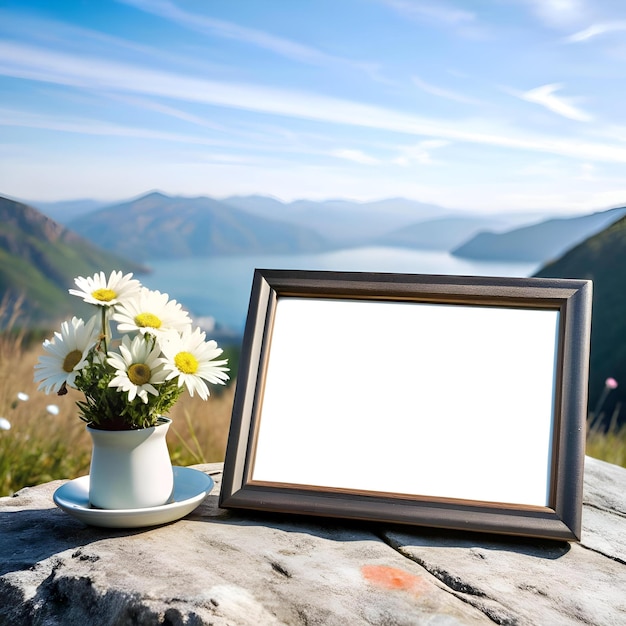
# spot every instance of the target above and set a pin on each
(67, 354)
(137, 367)
(98, 290)
(151, 312)
(190, 358)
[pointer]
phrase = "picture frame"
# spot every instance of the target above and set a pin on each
(441, 401)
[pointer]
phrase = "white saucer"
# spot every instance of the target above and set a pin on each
(190, 488)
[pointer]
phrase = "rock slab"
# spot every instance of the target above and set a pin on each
(224, 568)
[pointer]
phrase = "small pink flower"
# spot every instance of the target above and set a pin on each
(610, 383)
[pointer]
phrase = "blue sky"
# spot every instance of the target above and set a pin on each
(486, 105)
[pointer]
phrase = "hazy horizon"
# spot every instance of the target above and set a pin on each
(483, 107)
(539, 213)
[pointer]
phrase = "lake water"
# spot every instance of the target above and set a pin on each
(219, 287)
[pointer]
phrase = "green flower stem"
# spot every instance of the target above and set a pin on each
(104, 328)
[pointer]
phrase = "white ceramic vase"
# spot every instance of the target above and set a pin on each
(130, 469)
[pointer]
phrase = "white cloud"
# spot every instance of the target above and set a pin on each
(357, 156)
(229, 30)
(22, 119)
(419, 153)
(559, 169)
(558, 13)
(440, 14)
(95, 74)
(34, 28)
(151, 105)
(545, 96)
(596, 30)
(442, 93)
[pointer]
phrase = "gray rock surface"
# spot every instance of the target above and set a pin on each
(222, 568)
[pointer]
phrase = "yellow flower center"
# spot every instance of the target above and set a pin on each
(147, 320)
(139, 373)
(186, 362)
(71, 360)
(104, 295)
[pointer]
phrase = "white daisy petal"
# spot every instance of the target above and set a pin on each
(190, 358)
(67, 354)
(151, 312)
(101, 291)
(137, 367)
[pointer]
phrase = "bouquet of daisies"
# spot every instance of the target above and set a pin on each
(131, 379)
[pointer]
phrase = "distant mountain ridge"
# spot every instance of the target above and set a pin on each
(602, 259)
(202, 226)
(539, 242)
(342, 222)
(160, 226)
(443, 233)
(39, 259)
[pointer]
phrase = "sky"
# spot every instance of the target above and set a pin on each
(483, 105)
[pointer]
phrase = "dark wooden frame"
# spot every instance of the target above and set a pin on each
(561, 519)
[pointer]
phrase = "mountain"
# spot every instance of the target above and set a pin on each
(444, 233)
(64, 211)
(602, 258)
(538, 242)
(342, 222)
(39, 259)
(299, 226)
(160, 226)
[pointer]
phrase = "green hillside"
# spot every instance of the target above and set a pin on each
(39, 260)
(602, 258)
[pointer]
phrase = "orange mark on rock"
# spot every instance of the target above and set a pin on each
(393, 578)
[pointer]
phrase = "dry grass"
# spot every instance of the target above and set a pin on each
(608, 444)
(200, 429)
